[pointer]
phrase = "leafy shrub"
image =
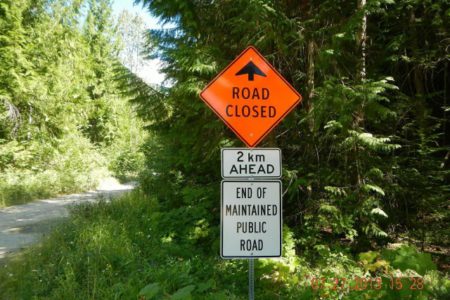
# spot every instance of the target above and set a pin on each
(40, 170)
(127, 165)
(406, 257)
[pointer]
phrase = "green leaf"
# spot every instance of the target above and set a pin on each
(150, 291)
(219, 296)
(378, 211)
(374, 188)
(408, 258)
(329, 209)
(333, 124)
(204, 286)
(183, 293)
(368, 257)
(337, 191)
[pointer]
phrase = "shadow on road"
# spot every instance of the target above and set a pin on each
(23, 225)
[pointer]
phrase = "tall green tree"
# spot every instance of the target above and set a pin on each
(58, 84)
(347, 157)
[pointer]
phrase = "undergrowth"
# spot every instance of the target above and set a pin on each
(126, 250)
(35, 170)
(38, 170)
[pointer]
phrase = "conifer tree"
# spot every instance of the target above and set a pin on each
(344, 154)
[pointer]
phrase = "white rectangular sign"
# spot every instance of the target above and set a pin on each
(251, 219)
(253, 163)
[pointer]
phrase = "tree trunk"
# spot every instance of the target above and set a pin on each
(362, 41)
(30, 121)
(358, 115)
(361, 74)
(309, 105)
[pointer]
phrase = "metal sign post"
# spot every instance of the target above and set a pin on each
(251, 279)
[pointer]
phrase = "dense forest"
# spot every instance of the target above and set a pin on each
(63, 118)
(365, 155)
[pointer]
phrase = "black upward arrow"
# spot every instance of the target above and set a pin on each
(250, 69)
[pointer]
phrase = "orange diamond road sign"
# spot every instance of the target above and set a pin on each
(250, 96)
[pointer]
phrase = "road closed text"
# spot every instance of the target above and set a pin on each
(253, 107)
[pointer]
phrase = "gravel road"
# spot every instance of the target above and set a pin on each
(22, 225)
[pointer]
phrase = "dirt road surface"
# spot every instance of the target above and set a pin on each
(23, 225)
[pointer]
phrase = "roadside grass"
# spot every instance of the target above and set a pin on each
(128, 249)
(21, 187)
(108, 251)
(37, 170)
